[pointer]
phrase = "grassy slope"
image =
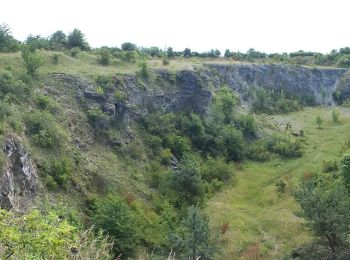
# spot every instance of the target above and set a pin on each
(253, 209)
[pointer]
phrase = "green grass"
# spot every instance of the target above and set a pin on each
(255, 212)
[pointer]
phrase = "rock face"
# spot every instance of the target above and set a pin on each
(191, 90)
(317, 84)
(18, 182)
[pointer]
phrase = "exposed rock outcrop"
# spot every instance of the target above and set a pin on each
(18, 182)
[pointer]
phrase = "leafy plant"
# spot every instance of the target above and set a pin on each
(32, 60)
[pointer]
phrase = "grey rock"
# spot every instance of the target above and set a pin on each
(19, 182)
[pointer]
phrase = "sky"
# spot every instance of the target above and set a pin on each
(265, 25)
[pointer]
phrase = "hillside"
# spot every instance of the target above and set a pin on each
(134, 149)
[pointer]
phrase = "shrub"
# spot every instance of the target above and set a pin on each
(15, 89)
(179, 145)
(43, 129)
(335, 116)
(234, 143)
(319, 121)
(74, 52)
(57, 172)
(246, 123)
(285, 146)
(114, 216)
(58, 41)
(166, 156)
(35, 235)
(55, 58)
(128, 46)
(7, 42)
(280, 187)
(104, 56)
(76, 39)
(216, 169)
(120, 95)
(143, 68)
(186, 181)
(330, 166)
(32, 61)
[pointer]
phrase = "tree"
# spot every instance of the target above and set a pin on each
(128, 46)
(319, 121)
(77, 39)
(58, 41)
(345, 170)
(32, 60)
(104, 56)
(325, 203)
(37, 42)
(170, 52)
(7, 42)
(187, 183)
(115, 217)
(228, 53)
(187, 52)
(335, 116)
(195, 240)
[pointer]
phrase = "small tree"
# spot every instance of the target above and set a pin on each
(32, 60)
(143, 67)
(319, 121)
(325, 203)
(196, 241)
(77, 39)
(335, 116)
(187, 52)
(128, 46)
(104, 56)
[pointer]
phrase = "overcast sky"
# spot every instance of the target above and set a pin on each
(265, 25)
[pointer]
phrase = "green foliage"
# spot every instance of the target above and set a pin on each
(43, 130)
(115, 217)
(104, 56)
(12, 89)
(285, 145)
(120, 95)
(234, 143)
(226, 101)
(319, 121)
(335, 116)
(74, 51)
(271, 102)
(77, 39)
(186, 181)
(7, 42)
(46, 103)
(345, 170)
(57, 172)
(330, 166)
(58, 41)
(128, 46)
(246, 123)
(143, 68)
(38, 236)
(216, 169)
(343, 61)
(166, 156)
(37, 42)
(32, 60)
(55, 58)
(280, 187)
(179, 145)
(195, 241)
(325, 204)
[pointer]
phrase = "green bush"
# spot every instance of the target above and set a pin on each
(74, 52)
(166, 156)
(179, 145)
(35, 235)
(114, 216)
(104, 56)
(216, 169)
(14, 89)
(32, 60)
(43, 129)
(143, 68)
(285, 145)
(234, 143)
(56, 172)
(120, 95)
(76, 39)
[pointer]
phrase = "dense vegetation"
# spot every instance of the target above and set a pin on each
(178, 161)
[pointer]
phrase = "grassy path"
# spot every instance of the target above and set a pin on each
(260, 221)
